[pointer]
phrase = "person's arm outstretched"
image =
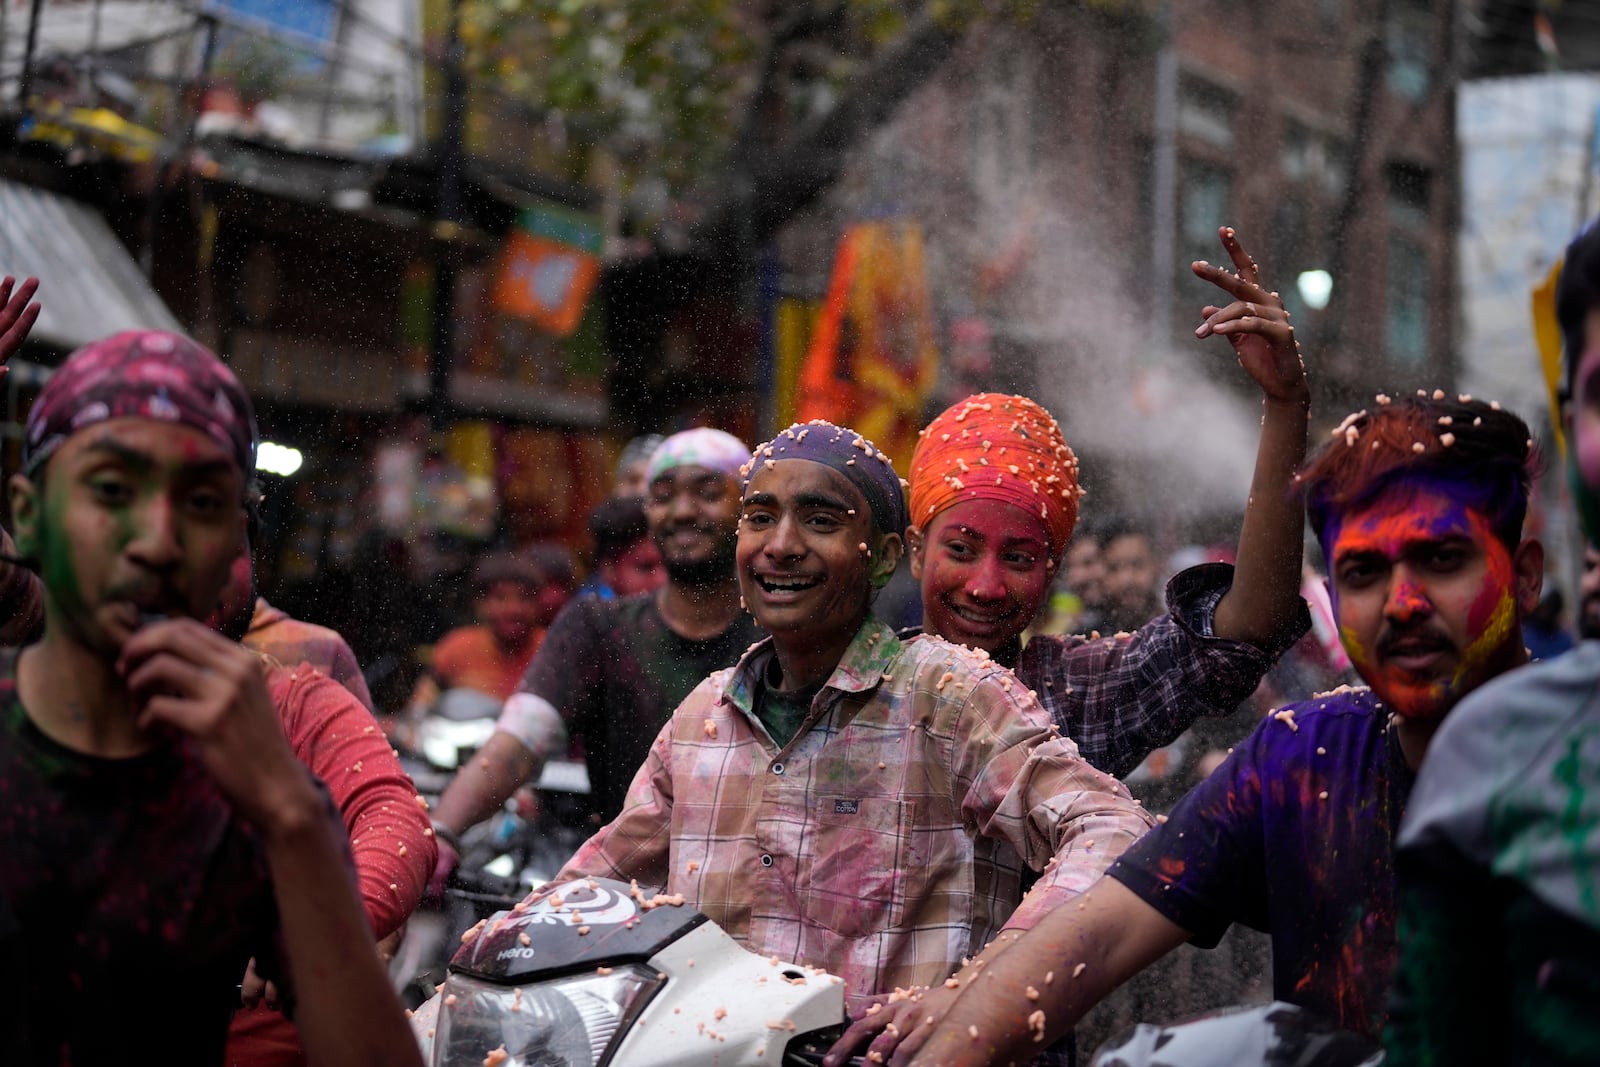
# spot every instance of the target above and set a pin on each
(21, 595)
(1266, 585)
(1026, 989)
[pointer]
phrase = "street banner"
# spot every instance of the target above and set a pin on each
(872, 362)
(548, 268)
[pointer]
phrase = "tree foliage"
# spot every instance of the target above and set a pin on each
(667, 86)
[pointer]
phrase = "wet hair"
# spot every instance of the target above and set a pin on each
(1577, 290)
(506, 567)
(637, 451)
(1112, 527)
(616, 525)
(1479, 449)
(554, 564)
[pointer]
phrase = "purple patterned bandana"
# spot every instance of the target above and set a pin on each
(847, 452)
(147, 374)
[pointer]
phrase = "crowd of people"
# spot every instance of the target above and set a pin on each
(210, 843)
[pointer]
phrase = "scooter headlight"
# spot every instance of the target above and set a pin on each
(566, 1022)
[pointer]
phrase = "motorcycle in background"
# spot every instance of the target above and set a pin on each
(503, 858)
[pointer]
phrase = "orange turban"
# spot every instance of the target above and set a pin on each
(992, 446)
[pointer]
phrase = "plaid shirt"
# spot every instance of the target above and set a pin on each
(886, 841)
(1124, 696)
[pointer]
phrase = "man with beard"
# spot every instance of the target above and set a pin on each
(1499, 860)
(1418, 504)
(1589, 595)
(613, 670)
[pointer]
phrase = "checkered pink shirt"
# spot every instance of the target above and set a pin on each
(887, 840)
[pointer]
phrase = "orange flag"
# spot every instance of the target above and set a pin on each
(872, 361)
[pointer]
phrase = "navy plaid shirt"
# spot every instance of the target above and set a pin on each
(1122, 696)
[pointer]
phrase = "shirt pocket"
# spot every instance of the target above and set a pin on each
(852, 874)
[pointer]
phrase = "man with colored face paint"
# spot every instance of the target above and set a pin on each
(158, 831)
(1499, 858)
(788, 795)
(1418, 504)
(994, 503)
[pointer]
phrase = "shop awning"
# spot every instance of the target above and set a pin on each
(89, 286)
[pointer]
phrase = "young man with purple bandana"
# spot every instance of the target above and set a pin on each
(843, 799)
(1418, 504)
(613, 670)
(158, 831)
(1499, 858)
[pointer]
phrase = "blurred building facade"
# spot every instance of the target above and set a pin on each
(1064, 186)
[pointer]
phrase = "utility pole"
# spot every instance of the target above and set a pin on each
(170, 168)
(1369, 75)
(25, 83)
(1164, 186)
(94, 51)
(448, 158)
(335, 68)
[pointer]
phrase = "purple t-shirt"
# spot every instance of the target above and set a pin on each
(1294, 836)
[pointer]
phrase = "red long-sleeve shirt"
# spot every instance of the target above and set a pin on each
(390, 835)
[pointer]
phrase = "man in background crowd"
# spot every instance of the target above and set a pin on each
(613, 671)
(626, 559)
(491, 656)
(1131, 577)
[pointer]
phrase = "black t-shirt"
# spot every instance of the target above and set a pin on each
(616, 671)
(131, 900)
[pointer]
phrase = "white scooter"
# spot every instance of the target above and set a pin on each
(593, 972)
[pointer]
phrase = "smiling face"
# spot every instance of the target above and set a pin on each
(984, 569)
(511, 610)
(1427, 598)
(133, 516)
(803, 558)
(693, 514)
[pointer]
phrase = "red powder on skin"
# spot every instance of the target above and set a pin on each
(1401, 518)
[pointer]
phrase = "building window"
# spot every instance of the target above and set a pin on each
(1004, 141)
(1206, 112)
(1409, 36)
(1405, 332)
(1297, 152)
(1206, 194)
(1335, 168)
(1409, 187)
(1312, 157)
(1290, 255)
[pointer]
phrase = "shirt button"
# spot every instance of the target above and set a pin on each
(766, 861)
(777, 768)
